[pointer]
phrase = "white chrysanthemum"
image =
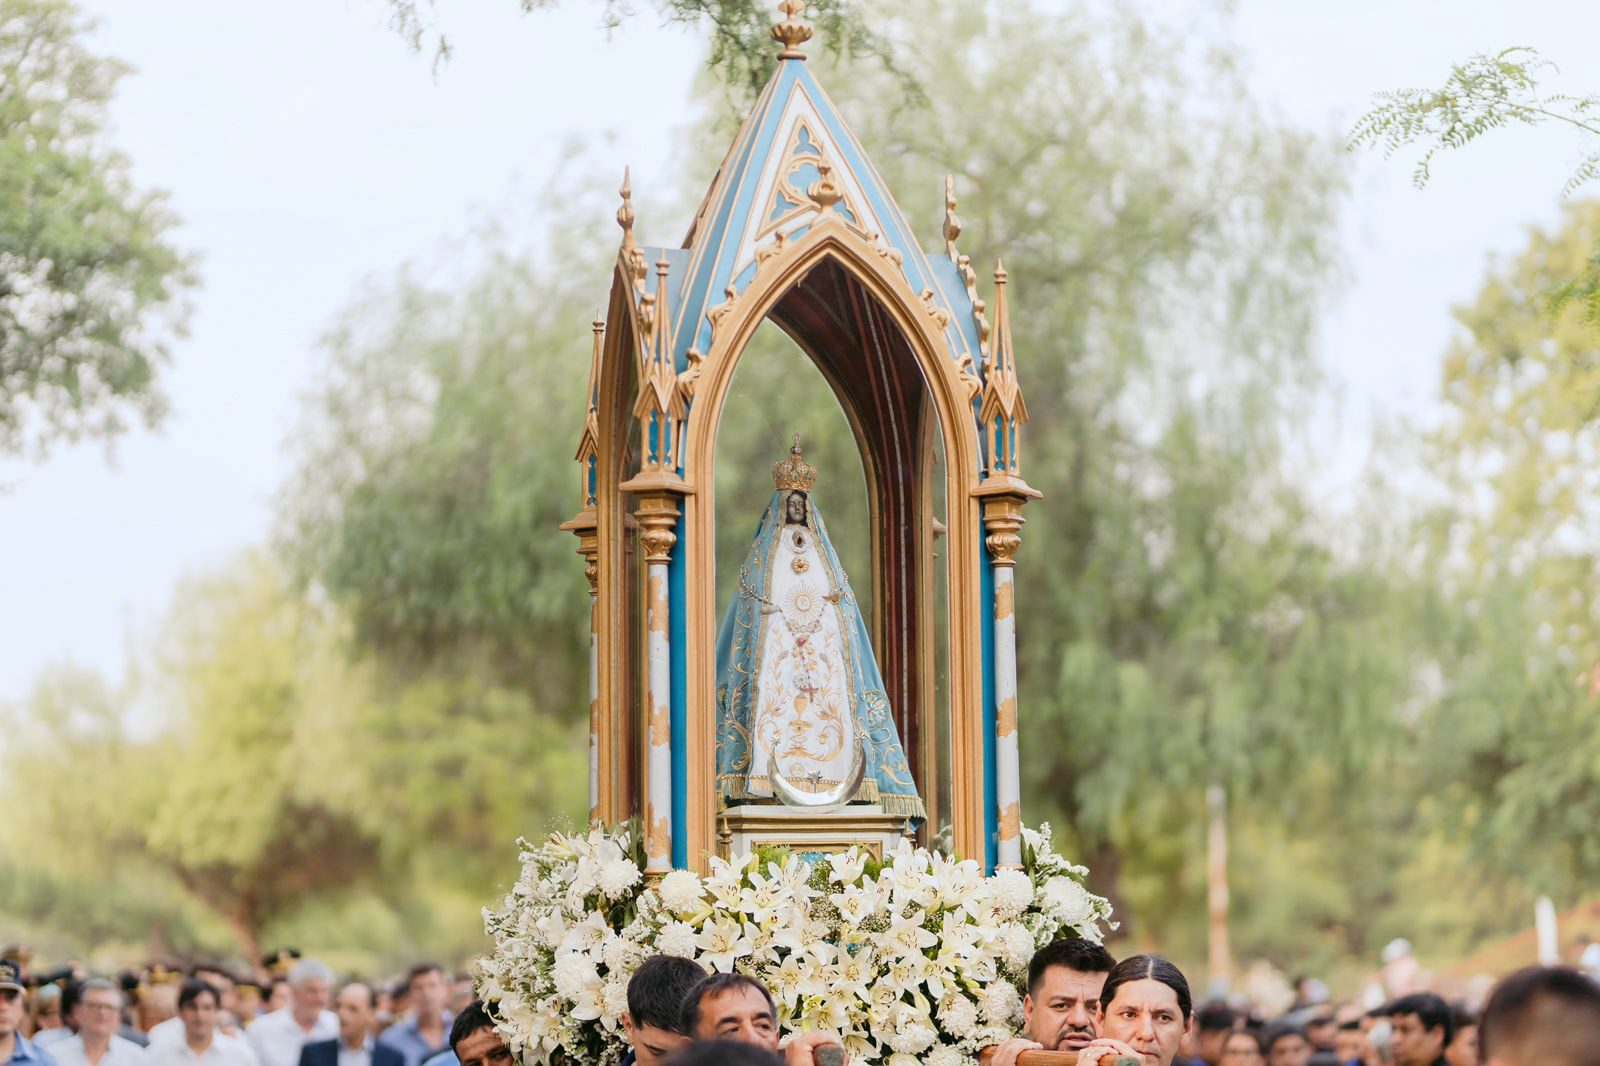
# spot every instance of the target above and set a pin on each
(912, 1037)
(617, 876)
(613, 1003)
(1011, 891)
(1069, 901)
(575, 974)
(681, 892)
(999, 1003)
(958, 1016)
(1014, 945)
(944, 1055)
(620, 953)
(677, 938)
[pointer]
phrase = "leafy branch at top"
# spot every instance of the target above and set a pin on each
(1482, 94)
(741, 47)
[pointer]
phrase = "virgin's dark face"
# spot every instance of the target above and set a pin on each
(796, 514)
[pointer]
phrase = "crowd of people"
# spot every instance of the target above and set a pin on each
(1136, 1012)
(292, 1012)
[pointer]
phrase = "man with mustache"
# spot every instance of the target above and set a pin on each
(1061, 1011)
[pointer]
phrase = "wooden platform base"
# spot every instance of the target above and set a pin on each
(749, 826)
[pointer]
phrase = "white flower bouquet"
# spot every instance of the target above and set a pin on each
(917, 958)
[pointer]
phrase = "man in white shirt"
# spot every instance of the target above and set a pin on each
(171, 1031)
(278, 1038)
(198, 1007)
(99, 1011)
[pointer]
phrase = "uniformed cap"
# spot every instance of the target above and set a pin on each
(10, 975)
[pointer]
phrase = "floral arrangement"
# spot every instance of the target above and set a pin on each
(917, 958)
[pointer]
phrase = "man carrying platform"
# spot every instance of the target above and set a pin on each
(654, 1018)
(731, 1006)
(1061, 1011)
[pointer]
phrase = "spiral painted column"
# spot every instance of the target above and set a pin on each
(1002, 518)
(657, 516)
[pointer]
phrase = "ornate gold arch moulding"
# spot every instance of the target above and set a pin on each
(833, 239)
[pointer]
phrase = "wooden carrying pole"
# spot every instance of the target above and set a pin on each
(1058, 1058)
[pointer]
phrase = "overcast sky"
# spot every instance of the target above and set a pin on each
(306, 150)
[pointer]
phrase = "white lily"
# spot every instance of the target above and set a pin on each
(721, 942)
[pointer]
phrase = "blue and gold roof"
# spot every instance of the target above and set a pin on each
(794, 161)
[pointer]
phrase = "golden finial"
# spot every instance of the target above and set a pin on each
(794, 472)
(791, 32)
(625, 212)
(952, 222)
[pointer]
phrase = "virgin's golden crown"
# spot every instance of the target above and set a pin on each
(794, 472)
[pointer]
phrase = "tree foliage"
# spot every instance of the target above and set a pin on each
(1515, 541)
(1490, 92)
(1167, 242)
(739, 31)
(1392, 707)
(236, 796)
(261, 770)
(90, 286)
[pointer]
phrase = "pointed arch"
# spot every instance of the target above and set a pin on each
(833, 244)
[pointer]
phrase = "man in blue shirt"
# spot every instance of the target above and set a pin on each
(425, 1031)
(15, 1049)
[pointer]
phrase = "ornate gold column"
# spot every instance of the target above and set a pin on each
(1001, 413)
(657, 513)
(1002, 518)
(587, 530)
(585, 525)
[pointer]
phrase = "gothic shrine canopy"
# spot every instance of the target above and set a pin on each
(799, 227)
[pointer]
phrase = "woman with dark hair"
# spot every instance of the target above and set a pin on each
(1145, 1012)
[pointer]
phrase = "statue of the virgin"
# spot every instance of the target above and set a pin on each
(801, 710)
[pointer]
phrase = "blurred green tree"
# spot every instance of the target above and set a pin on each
(1514, 550)
(260, 768)
(1168, 242)
(91, 289)
(237, 790)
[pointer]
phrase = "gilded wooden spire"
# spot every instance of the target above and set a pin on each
(952, 221)
(625, 212)
(589, 441)
(631, 254)
(791, 32)
(1003, 409)
(660, 403)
